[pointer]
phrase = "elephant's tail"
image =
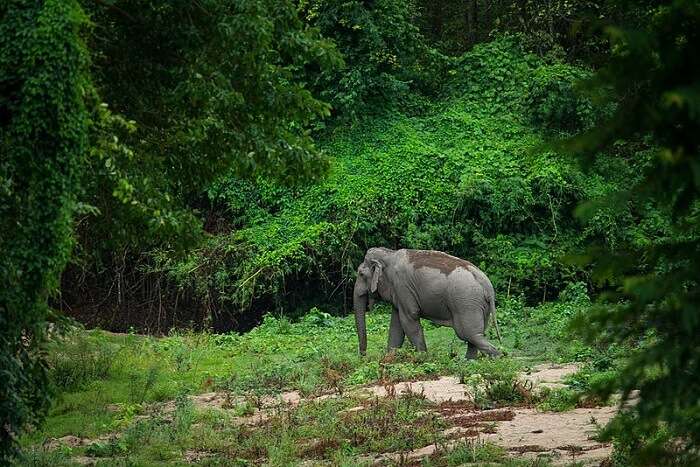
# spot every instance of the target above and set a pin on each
(492, 311)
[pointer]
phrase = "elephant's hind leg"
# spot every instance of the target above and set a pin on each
(410, 322)
(470, 327)
(480, 342)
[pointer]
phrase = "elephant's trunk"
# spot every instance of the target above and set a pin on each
(360, 308)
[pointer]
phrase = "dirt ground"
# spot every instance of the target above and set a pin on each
(562, 436)
(525, 432)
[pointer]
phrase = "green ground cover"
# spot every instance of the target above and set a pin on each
(110, 387)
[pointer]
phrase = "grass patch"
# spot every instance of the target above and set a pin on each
(558, 400)
(494, 382)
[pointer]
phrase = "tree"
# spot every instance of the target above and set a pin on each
(385, 54)
(654, 78)
(196, 91)
(210, 86)
(43, 141)
(193, 92)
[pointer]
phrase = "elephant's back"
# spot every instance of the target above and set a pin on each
(435, 260)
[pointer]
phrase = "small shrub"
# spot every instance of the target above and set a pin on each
(318, 318)
(490, 369)
(40, 457)
(126, 414)
(468, 452)
(558, 400)
(492, 381)
(182, 357)
(183, 416)
(111, 448)
(265, 378)
(366, 373)
(246, 408)
(141, 383)
(575, 292)
(410, 371)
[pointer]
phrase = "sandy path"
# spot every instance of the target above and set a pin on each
(562, 436)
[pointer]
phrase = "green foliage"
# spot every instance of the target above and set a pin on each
(110, 448)
(40, 457)
(492, 381)
(473, 451)
(559, 27)
(555, 103)
(418, 182)
(559, 400)
(215, 88)
(385, 54)
(555, 28)
(655, 76)
(43, 140)
(549, 334)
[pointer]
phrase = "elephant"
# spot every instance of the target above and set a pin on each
(429, 284)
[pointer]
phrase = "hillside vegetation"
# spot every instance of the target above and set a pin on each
(469, 174)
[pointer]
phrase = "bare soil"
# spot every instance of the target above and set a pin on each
(526, 432)
(523, 432)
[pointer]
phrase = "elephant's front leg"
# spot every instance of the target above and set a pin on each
(411, 326)
(396, 334)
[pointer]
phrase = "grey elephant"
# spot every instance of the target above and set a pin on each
(428, 284)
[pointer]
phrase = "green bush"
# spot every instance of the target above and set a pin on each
(555, 103)
(41, 457)
(386, 56)
(491, 381)
(559, 400)
(469, 452)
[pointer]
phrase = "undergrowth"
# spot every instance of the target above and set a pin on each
(134, 408)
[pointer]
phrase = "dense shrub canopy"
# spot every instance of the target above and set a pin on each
(43, 140)
(386, 55)
(469, 175)
(198, 89)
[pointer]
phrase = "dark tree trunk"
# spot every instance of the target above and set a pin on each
(438, 19)
(472, 23)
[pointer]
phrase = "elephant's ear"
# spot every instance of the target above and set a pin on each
(376, 272)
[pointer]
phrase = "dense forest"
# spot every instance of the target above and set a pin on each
(196, 182)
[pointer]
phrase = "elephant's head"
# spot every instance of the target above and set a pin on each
(369, 275)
